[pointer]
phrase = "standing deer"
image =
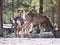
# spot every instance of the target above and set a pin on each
(35, 18)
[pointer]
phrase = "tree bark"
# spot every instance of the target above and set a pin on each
(52, 15)
(1, 18)
(52, 20)
(58, 15)
(52, 12)
(12, 8)
(41, 7)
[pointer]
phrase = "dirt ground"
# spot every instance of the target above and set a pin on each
(29, 41)
(46, 38)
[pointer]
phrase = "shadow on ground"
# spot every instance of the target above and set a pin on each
(41, 35)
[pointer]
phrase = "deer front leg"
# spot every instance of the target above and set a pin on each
(41, 28)
(27, 29)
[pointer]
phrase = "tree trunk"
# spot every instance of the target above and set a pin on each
(52, 15)
(58, 14)
(41, 7)
(12, 8)
(52, 19)
(52, 12)
(1, 20)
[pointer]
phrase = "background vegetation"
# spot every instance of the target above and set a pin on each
(26, 5)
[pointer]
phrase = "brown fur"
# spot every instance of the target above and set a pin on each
(35, 18)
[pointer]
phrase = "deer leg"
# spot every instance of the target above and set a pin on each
(27, 29)
(17, 31)
(15, 28)
(26, 26)
(22, 32)
(41, 28)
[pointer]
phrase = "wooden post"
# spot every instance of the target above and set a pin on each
(41, 7)
(58, 14)
(1, 20)
(12, 8)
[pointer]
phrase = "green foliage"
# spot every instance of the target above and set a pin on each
(47, 5)
(25, 5)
